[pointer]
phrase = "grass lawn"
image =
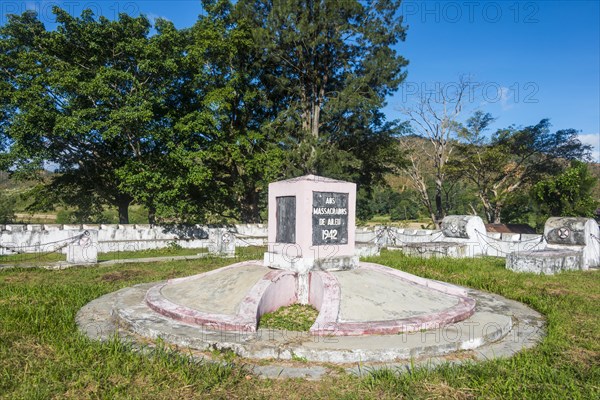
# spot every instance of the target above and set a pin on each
(46, 258)
(32, 258)
(297, 317)
(43, 356)
(123, 255)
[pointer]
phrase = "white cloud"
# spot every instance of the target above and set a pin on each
(153, 17)
(504, 99)
(593, 139)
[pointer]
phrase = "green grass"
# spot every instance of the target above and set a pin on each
(46, 258)
(43, 356)
(123, 255)
(32, 258)
(28, 259)
(295, 317)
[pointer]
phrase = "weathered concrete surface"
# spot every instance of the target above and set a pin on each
(460, 236)
(34, 238)
(462, 226)
(582, 234)
(392, 317)
(435, 249)
(113, 238)
(372, 299)
(327, 260)
(528, 329)
(481, 328)
(221, 242)
(367, 249)
(569, 231)
(572, 244)
(547, 262)
(218, 293)
(373, 296)
(499, 328)
(83, 250)
(229, 298)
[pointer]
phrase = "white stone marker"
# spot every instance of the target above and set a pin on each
(568, 233)
(466, 229)
(573, 244)
(222, 242)
(83, 250)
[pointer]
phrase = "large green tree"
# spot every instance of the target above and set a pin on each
(512, 159)
(228, 113)
(569, 194)
(327, 69)
(194, 123)
(91, 98)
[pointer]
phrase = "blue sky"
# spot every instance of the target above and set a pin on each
(525, 60)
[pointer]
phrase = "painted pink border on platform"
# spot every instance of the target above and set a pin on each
(328, 325)
(278, 288)
(329, 304)
(245, 320)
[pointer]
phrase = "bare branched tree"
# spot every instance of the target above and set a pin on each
(434, 119)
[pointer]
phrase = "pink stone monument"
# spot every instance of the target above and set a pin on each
(311, 225)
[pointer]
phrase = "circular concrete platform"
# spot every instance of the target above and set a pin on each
(371, 299)
(368, 316)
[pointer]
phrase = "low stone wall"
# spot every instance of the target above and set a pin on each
(482, 243)
(38, 238)
(503, 244)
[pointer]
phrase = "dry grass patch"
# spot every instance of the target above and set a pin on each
(120, 275)
(442, 390)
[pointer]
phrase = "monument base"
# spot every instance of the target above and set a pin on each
(303, 265)
(547, 261)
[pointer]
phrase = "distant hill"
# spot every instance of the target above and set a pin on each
(15, 186)
(16, 190)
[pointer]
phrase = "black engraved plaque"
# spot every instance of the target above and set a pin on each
(330, 218)
(286, 219)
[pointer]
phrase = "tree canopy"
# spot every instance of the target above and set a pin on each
(512, 159)
(91, 98)
(195, 122)
(568, 194)
(328, 67)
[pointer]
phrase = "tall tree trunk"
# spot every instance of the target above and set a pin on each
(248, 201)
(418, 182)
(250, 213)
(123, 203)
(426, 201)
(497, 211)
(439, 209)
(487, 208)
(151, 214)
(433, 218)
